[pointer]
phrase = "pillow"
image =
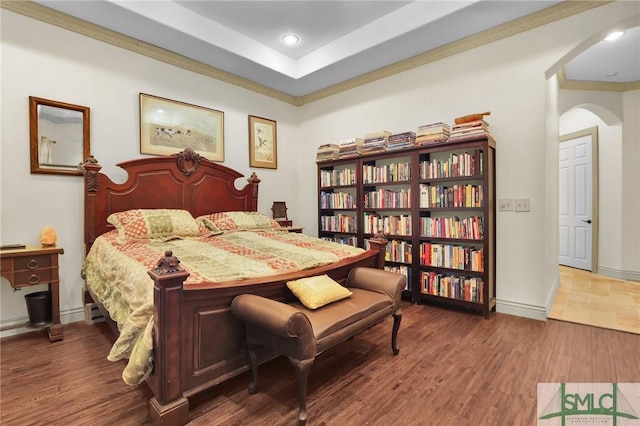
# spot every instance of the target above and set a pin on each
(315, 292)
(238, 221)
(153, 223)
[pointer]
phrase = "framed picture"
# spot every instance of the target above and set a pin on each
(263, 143)
(168, 127)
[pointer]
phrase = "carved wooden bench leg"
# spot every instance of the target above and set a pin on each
(251, 350)
(397, 318)
(302, 369)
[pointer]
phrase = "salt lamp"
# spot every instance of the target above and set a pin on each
(48, 236)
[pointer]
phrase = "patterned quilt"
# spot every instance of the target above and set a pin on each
(117, 275)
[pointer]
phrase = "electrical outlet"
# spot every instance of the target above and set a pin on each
(523, 205)
(505, 204)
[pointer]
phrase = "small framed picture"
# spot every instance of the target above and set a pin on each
(168, 127)
(263, 143)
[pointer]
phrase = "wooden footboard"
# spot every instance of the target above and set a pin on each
(198, 343)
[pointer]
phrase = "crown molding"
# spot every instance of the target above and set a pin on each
(62, 20)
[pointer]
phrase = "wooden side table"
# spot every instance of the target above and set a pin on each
(34, 265)
(297, 229)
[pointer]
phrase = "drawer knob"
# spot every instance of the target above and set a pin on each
(34, 279)
(33, 264)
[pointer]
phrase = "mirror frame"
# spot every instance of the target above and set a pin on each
(34, 102)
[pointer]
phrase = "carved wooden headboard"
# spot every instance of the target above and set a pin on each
(181, 181)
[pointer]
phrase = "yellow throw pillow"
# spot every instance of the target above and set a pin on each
(315, 292)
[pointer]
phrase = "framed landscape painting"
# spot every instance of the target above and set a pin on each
(263, 140)
(168, 127)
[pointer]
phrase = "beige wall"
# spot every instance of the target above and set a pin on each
(630, 218)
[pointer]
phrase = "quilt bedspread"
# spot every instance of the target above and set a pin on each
(117, 275)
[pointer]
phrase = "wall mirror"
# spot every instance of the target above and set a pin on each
(59, 136)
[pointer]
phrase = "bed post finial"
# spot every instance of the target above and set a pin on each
(90, 169)
(169, 263)
(254, 180)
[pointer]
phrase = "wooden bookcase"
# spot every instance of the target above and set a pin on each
(436, 206)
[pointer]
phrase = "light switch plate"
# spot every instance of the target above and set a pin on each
(505, 204)
(523, 205)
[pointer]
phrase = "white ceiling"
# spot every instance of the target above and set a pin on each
(339, 40)
(609, 61)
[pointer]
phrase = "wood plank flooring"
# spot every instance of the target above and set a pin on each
(454, 368)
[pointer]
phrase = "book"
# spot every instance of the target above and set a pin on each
(401, 141)
(351, 148)
(327, 152)
(380, 134)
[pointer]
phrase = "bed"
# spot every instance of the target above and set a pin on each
(193, 340)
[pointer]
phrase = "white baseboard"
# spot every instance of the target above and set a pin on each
(15, 326)
(619, 274)
(521, 309)
(552, 295)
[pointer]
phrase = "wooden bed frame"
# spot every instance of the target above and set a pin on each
(197, 342)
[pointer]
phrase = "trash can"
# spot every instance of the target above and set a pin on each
(38, 308)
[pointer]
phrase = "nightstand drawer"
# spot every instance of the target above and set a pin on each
(32, 262)
(25, 278)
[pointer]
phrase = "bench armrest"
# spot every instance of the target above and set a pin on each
(276, 317)
(380, 281)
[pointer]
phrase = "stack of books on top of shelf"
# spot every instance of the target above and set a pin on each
(376, 142)
(433, 133)
(327, 152)
(401, 141)
(350, 148)
(470, 131)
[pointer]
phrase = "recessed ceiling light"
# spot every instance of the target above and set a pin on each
(290, 39)
(614, 35)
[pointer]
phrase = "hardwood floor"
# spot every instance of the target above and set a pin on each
(597, 300)
(454, 368)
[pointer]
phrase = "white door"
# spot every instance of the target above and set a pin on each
(575, 204)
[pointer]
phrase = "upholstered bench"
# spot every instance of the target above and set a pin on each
(301, 333)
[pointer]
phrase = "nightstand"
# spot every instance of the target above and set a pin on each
(297, 229)
(35, 265)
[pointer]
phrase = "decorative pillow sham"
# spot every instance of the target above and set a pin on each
(318, 291)
(238, 221)
(153, 223)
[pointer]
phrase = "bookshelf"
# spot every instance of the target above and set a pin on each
(337, 201)
(436, 206)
